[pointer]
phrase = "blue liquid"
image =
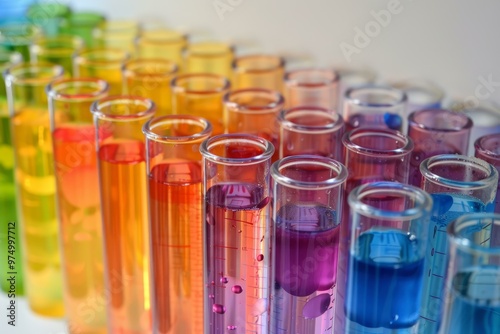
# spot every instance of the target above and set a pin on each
(385, 280)
(475, 304)
(446, 208)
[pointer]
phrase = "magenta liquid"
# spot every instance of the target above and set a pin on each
(238, 244)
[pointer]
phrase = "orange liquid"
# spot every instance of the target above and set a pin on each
(81, 230)
(176, 234)
(123, 186)
(207, 105)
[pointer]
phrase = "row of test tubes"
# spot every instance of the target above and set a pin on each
(244, 199)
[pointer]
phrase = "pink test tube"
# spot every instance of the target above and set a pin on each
(311, 130)
(434, 132)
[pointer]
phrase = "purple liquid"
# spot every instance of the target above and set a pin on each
(237, 233)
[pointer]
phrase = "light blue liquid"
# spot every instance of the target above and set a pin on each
(475, 301)
(446, 208)
(384, 283)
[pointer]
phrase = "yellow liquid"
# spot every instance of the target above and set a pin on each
(37, 201)
(111, 74)
(154, 88)
(208, 106)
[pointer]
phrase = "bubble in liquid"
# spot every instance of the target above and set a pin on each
(260, 257)
(237, 289)
(231, 328)
(211, 296)
(316, 306)
(224, 280)
(260, 307)
(218, 308)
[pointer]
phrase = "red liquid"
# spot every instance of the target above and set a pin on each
(177, 244)
(125, 219)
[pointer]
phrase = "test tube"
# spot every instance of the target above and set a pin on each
(176, 206)
(254, 111)
(312, 87)
(350, 78)
(473, 276)
(18, 37)
(78, 202)
(458, 185)
(258, 71)
(7, 190)
(434, 132)
(422, 94)
(35, 183)
(238, 236)
(48, 15)
(150, 78)
(311, 130)
(373, 105)
(119, 34)
(201, 95)
(162, 43)
(105, 64)
(58, 50)
(82, 24)
(387, 239)
(121, 159)
(308, 193)
(209, 57)
(487, 148)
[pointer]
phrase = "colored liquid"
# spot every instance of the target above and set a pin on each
(207, 105)
(111, 74)
(8, 208)
(420, 154)
(238, 253)
(153, 86)
(385, 120)
(36, 184)
(123, 185)
(446, 208)
(384, 283)
(475, 301)
(176, 234)
(307, 238)
(81, 229)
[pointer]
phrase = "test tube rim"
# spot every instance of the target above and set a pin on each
(289, 81)
(226, 85)
(71, 22)
(280, 64)
(228, 49)
(96, 107)
(148, 127)
(337, 123)
(180, 37)
(479, 147)
(278, 102)
(418, 211)
(267, 146)
(402, 151)
(401, 99)
(459, 185)
(102, 89)
(307, 159)
(127, 72)
(11, 77)
(76, 43)
(413, 123)
(81, 58)
(423, 85)
(464, 242)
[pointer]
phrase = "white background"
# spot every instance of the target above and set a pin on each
(453, 42)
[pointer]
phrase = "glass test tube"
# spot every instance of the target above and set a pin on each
(487, 148)
(201, 95)
(18, 37)
(237, 233)
(150, 78)
(48, 15)
(79, 209)
(387, 235)
(308, 194)
(7, 189)
(258, 71)
(58, 50)
(473, 276)
(311, 130)
(254, 111)
(375, 106)
(162, 44)
(176, 206)
(116, 35)
(35, 183)
(209, 57)
(121, 161)
(82, 24)
(105, 64)
(458, 185)
(434, 132)
(421, 94)
(350, 78)
(312, 87)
